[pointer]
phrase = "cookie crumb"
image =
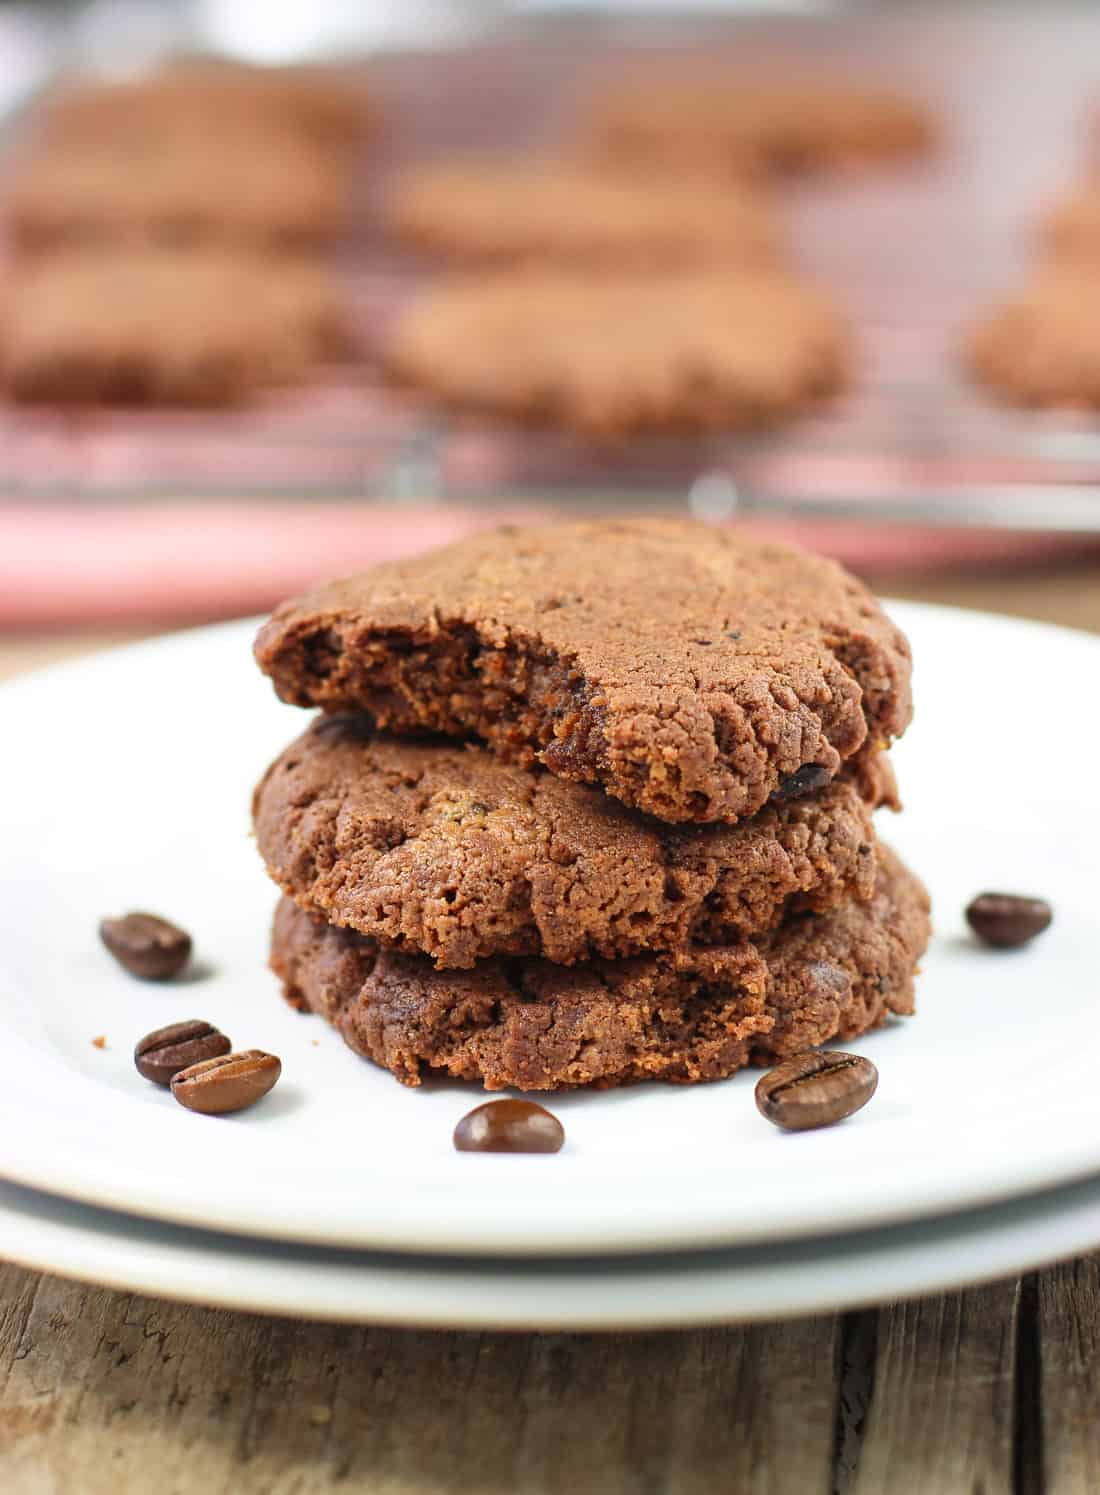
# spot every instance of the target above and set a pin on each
(100, 1042)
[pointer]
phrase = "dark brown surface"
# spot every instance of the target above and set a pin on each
(816, 1089)
(149, 947)
(160, 1055)
(226, 1083)
(443, 849)
(697, 1015)
(687, 670)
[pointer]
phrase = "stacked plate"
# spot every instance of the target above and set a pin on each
(126, 785)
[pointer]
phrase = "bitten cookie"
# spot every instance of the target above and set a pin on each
(750, 124)
(193, 327)
(699, 1014)
(1042, 347)
(611, 356)
(689, 671)
(568, 213)
(256, 190)
(445, 850)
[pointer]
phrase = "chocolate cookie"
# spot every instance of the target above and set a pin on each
(445, 850)
(694, 350)
(1071, 231)
(699, 1014)
(743, 122)
(207, 100)
(493, 211)
(158, 326)
(259, 190)
(689, 671)
(1042, 347)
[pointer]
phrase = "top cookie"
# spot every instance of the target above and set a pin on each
(691, 672)
(497, 211)
(752, 124)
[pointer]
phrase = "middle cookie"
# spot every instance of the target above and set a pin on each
(442, 848)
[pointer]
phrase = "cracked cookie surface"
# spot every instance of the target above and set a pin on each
(442, 848)
(686, 670)
(699, 1014)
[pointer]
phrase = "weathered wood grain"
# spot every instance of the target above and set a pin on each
(108, 1394)
(1068, 1343)
(941, 1415)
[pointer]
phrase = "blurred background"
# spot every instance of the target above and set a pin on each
(232, 360)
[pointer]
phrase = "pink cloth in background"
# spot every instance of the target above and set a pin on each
(165, 562)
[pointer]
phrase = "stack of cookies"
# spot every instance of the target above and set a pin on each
(590, 804)
(163, 231)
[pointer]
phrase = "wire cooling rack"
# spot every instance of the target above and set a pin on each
(912, 252)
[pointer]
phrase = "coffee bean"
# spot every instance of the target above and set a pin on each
(815, 1090)
(1007, 920)
(229, 1082)
(509, 1126)
(809, 777)
(148, 947)
(160, 1055)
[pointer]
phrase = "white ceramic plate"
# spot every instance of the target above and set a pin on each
(125, 784)
(643, 1292)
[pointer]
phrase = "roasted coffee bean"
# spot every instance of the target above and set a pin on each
(228, 1083)
(509, 1126)
(148, 947)
(809, 777)
(160, 1055)
(815, 1090)
(1007, 920)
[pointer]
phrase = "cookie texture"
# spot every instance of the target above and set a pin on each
(164, 327)
(261, 189)
(209, 99)
(753, 124)
(493, 211)
(688, 671)
(678, 351)
(1070, 232)
(445, 850)
(699, 1014)
(1042, 347)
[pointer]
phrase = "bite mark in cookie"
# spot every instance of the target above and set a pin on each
(686, 670)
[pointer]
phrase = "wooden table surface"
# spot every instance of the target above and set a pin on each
(994, 1389)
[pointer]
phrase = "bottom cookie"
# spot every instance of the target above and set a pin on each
(698, 1014)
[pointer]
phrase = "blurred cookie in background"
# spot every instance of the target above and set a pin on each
(702, 349)
(1070, 230)
(255, 188)
(208, 96)
(510, 211)
(1041, 347)
(165, 327)
(738, 121)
